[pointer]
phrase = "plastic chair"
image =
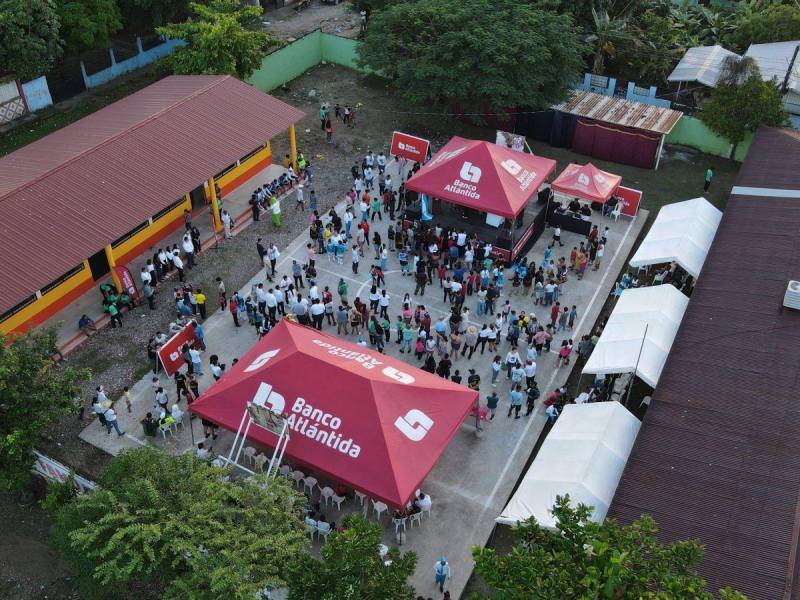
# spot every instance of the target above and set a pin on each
(427, 509)
(616, 212)
(383, 550)
(338, 501)
(309, 483)
(165, 428)
(398, 523)
(645, 402)
(415, 518)
(326, 494)
(361, 497)
(324, 529)
(259, 461)
(311, 527)
(285, 470)
(250, 455)
(298, 476)
(379, 508)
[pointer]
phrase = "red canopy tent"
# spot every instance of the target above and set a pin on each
(365, 419)
(587, 182)
(483, 176)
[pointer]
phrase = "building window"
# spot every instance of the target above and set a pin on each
(12, 311)
(169, 209)
(54, 284)
(130, 234)
(230, 168)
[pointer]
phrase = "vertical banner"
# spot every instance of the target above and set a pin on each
(631, 199)
(425, 207)
(170, 353)
(127, 281)
(409, 146)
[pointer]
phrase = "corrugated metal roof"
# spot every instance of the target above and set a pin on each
(627, 113)
(66, 196)
(717, 455)
(702, 64)
(775, 59)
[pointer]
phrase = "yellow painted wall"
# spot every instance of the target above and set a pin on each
(245, 165)
(50, 303)
(143, 240)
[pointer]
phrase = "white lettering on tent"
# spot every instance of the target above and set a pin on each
(414, 425)
(261, 360)
(398, 375)
(322, 427)
(365, 360)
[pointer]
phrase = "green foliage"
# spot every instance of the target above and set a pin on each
(87, 24)
(29, 42)
(732, 111)
(142, 16)
(176, 527)
(33, 393)
(583, 559)
(59, 493)
(778, 23)
(222, 38)
(432, 52)
(605, 33)
(351, 568)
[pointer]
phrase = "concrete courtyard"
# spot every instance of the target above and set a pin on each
(473, 479)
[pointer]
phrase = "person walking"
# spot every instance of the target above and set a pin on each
(515, 401)
(149, 294)
(178, 263)
(356, 256)
(272, 256)
(227, 224)
(111, 421)
(557, 236)
(709, 177)
(441, 570)
(497, 365)
(233, 307)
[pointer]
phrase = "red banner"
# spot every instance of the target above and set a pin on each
(631, 199)
(409, 146)
(170, 353)
(127, 281)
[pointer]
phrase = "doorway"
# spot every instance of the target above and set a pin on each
(198, 197)
(98, 264)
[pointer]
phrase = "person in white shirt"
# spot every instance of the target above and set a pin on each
(188, 249)
(530, 370)
(381, 160)
(202, 452)
(359, 185)
(146, 277)
(383, 301)
(197, 365)
(469, 257)
(389, 184)
(111, 421)
(317, 310)
(313, 291)
(227, 223)
(369, 159)
(369, 177)
(271, 303)
(301, 204)
(280, 299)
(461, 239)
(176, 260)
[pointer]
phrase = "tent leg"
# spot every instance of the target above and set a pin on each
(236, 437)
(660, 149)
(243, 441)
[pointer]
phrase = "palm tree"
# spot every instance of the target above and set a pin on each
(736, 70)
(606, 31)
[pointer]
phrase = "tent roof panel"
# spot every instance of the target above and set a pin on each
(702, 64)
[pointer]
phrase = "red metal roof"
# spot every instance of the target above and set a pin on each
(66, 196)
(717, 455)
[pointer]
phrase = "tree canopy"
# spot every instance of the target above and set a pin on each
(29, 37)
(352, 569)
(143, 16)
(33, 393)
(87, 24)
(177, 528)
(733, 111)
(776, 23)
(433, 52)
(584, 559)
(222, 39)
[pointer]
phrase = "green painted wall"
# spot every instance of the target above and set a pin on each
(296, 58)
(693, 133)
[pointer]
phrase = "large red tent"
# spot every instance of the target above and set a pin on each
(483, 176)
(587, 182)
(367, 420)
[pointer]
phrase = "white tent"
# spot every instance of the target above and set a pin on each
(639, 333)
(583, 456)
(682, 232)
(702, 64)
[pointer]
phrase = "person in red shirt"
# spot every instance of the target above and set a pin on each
(554, 311)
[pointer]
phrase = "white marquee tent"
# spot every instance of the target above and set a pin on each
(639, 333)
(583, 456)
(683, 233)
(702, 64)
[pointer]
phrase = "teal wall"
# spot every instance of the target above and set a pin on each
(296, 58)
(693, 133)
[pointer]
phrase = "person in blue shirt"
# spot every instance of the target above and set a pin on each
(200, 335)
(516, 401)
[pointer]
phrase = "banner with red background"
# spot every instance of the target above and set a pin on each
(409, 146)
(170, 353)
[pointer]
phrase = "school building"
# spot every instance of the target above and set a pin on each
(101, 191)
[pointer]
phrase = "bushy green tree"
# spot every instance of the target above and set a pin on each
(87, 24)
(33, 393)
(733, 111)
(584, 559)
(776, 23)
(503, 53)
(222, 38)
(651, 51)
(352, 569)
(177, 528)
(142, 16)
(29, 40)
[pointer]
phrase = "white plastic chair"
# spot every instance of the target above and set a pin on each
(379, 508)
(309, 483)
(324, 529)
(645, 402)
(383, 550)
(398, 523)
(427, 509)
(616, 212)
(338, 501)
(165, 429)
(298, 476)
(259, 461)
(250, 455)
(285, 470)
(311, 527)
(325, 495)
(415, 518)
(361, 497)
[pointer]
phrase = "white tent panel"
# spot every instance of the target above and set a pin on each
(583, 456)
(773, 61)
(702, 64)
(682, 232)
(639, 333)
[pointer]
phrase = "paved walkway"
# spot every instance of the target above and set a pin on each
(90, 303)
(474, 478)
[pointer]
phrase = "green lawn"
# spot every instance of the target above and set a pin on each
(53, 118)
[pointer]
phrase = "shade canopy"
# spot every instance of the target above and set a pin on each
(639, 333)
(587, 182)
(367, 420)
(683, 233)
(483, 176)
(703, 64)
(583, 456)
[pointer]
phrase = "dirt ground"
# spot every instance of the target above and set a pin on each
(289, 23)
(118, 356)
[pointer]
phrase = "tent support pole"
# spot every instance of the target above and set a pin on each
(660, 149)
(236, 437)
(636, 369)
(243, 441)
(278, 452)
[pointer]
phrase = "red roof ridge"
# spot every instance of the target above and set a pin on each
(215, 80)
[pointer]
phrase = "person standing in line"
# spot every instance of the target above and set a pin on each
(297, 274)
(145, 276)
(227, 224)
(515, 401)
(709, 177)
(200, 297)
(271, 304)
(280, 299)
(149, 294)
(188, 250)
(197, 366)
(262, 251)
(301, 202)
(491, 403)
(178, 263)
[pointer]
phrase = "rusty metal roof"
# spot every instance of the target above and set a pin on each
(717, 455)
(66, 196)
(618, 111)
